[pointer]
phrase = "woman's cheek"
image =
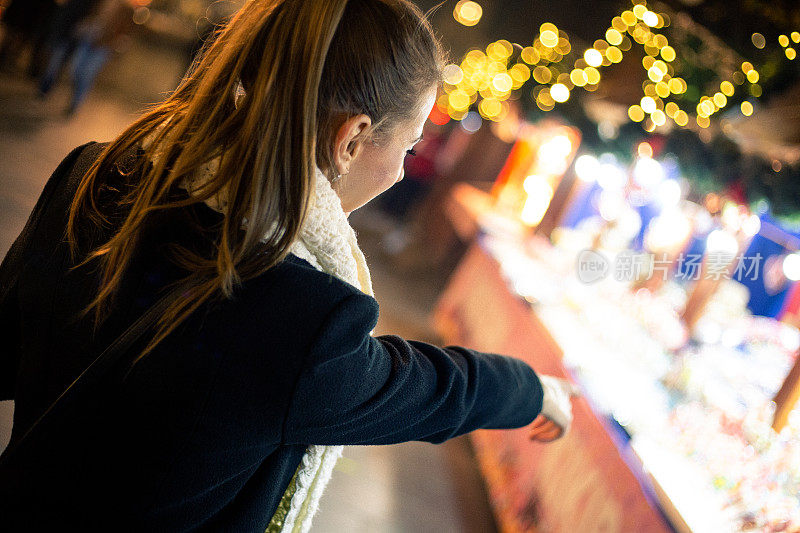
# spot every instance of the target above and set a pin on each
(390, 175)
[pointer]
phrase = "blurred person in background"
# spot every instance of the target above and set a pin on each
(25, 26)
(87, 42)
(231, 198)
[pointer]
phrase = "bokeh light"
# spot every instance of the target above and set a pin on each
(467, 12)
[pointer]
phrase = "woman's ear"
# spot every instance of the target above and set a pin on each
(348, 141)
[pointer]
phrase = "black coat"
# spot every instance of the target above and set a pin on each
(207, 431)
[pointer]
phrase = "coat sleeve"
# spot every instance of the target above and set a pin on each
(10, 268)
(359, 389)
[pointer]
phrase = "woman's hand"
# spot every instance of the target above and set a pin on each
(556, 416)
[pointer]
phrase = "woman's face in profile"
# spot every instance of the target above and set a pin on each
(376, 167)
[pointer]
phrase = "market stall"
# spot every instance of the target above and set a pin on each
(641, 239)
(674, 427)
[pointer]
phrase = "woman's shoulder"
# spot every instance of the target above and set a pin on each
(295, 279)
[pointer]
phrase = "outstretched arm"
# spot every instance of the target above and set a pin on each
(358, 389)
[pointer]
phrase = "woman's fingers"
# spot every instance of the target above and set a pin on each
(544, 430)
(546, 434)
(540, 421)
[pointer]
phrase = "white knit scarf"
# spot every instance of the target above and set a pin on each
(328, 243)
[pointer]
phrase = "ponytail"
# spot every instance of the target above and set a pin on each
(266, 142)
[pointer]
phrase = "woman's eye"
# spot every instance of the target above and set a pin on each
(411, 152)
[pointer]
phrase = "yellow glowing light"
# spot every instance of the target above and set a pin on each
(747, 67)
(500, 50)
(520, 72)
(481, 81)
(677, 85)
(660, 65)
(458, 115)
(647, 62)
(681, 118)
(549, 39)
(490, 108)
(495, 67)
(644, 149)
(649, 89)
(640, 35)
(720, 100)
(618, 24)
(613, 36)
(747, 108)
(563, 46)
(628, 18)
(545, 98)
(796, 36)
(542, 74)
(578, 77)
(668, 53)
(468, 89)
(758, 40)
(649, 126)
(459, 100)
(703, 122)
(544, 107)
(592, 75)
(790, 54)
(783, 40)
(671, 109)
(658, 117)
(655, 74)
(707, 107)
(548, 35)
(529, 55)
(639, 10)
(593, 57)
(752, 76)
(475, 59)
(453, 74)
(660, 41)
(504, 110)
(502, 82)
(727, 88)
(559, 92)
(662, 89)
(648, 104)
(467, 12)
(701, 111)
(614, 54)
(650, 18)
(636, 113)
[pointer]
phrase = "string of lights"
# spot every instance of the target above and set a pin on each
(490, 79)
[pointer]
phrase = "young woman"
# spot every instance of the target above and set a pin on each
(231, 414)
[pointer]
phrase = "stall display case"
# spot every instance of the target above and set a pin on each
(673, 430)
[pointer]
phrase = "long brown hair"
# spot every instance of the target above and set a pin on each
(305, 66)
